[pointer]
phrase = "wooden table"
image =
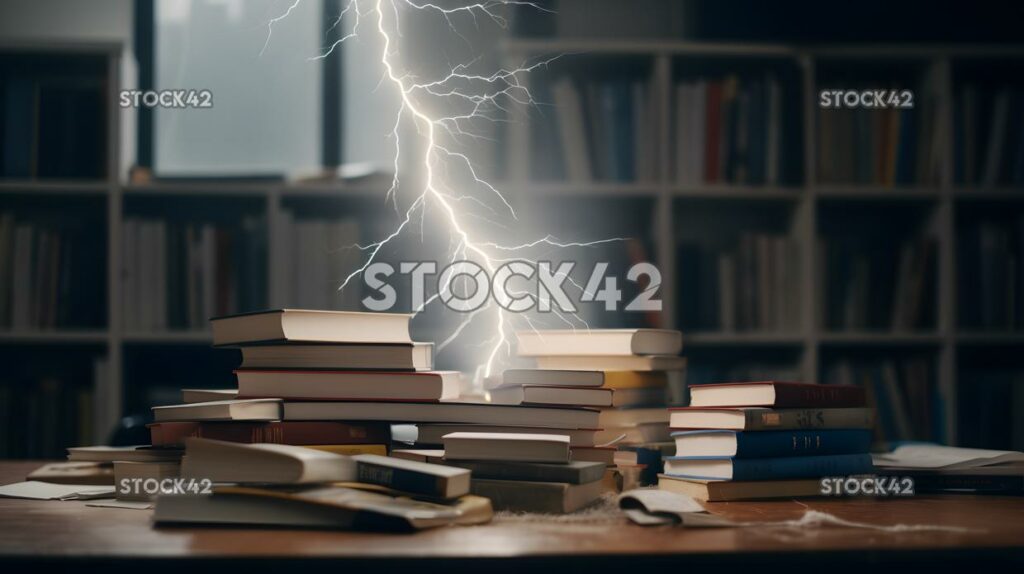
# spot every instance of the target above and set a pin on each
(71, 535)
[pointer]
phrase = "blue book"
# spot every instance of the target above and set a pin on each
(728, 468)
(739, 444)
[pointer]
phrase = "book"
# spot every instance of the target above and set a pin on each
(129, 477)
(101, 473)
(569, 378)
(448, 412)
(130, 453)
(351, 449)
(236, 410)
(222, 461)
(539, 377)
(779, 468)
(758, 418)
(544, 395)
(615, 418)
(311, 326)
(348, 385)
(207, 395)
(776, 394)
(730, 490)
(534, 496)
(327, 356)
(431, 455)
(602, 454)
(420, 478)
(635, 434)
(739, 444)
(613, 363)
(599, 342)
(431, 434)
(574, 472)
(506, 447)
(317, 506)
(280, 432)
(572, 130)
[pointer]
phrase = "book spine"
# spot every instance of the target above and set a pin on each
(758, 420)
(801, 443)
(401, 479)
(801, 467)
(528, 472)
(818, 396)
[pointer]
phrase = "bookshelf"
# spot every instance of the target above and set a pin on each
(924, 203)
(139, 364)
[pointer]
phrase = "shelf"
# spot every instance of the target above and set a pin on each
(55, 187)
(990, 338)
(875, 192)
(603, 46)
(580, 189)
(879, 338)
(999, 193)
(54, 336)
(170, 337)
(740, 338)
(727, 191)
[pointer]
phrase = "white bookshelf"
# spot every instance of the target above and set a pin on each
(664, 193)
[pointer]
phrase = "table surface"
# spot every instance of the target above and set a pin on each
(980, 525)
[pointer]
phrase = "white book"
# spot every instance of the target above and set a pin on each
(221, 461)
(545, 395)
(234, 410)
(207, 395)
(613, 363)
(433, 434)
(312, 326)
(446, 412)
(348, 385)
(513, 377)
(572, 129)
(599, 342)
(518, 447)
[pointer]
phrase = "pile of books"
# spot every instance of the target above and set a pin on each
(742, 441)
(621, 372)
(522, 472)
(283, 485)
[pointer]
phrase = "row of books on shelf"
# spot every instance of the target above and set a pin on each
(879, 287)
(52, 128)
(871, 146)
(318, 255)
(988, 148)
(731, 130)
(756, 286)
(48, 276)
(177, 275)
(992, 274)
(601, 130)
(904, 393)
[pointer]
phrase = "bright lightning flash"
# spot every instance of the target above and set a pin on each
(475, 97)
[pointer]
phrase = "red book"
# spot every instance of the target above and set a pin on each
(712, 131)
(776, 394)
(280, 432)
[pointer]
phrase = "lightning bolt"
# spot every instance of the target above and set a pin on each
(477, 97)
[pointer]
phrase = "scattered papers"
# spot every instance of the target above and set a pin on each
(945, 458)
(649, 507)
(36, 490)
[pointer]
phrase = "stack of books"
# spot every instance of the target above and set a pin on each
(285, 485)
(302, 375)
(742, 441)
(621, 372)
(522, 472)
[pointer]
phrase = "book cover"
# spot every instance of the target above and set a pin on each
(773, 468)
(774, 443)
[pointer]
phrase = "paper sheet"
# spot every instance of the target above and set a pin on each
(36, 490)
